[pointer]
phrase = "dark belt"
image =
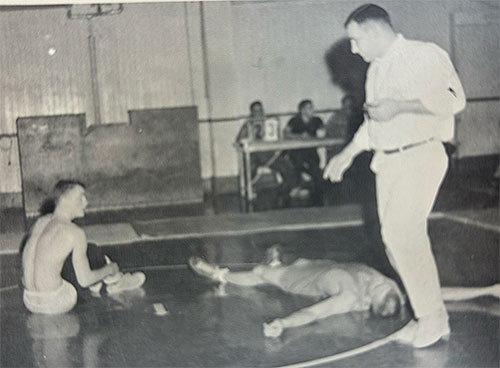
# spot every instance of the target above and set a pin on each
(408, 146)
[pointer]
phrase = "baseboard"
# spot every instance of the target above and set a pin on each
(11, 200)
(479, 166)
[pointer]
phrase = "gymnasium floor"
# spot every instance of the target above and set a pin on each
(206, 326)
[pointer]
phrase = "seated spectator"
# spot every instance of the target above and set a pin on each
(266, 162)
(306, 161)
(344, 122)
(338, 124)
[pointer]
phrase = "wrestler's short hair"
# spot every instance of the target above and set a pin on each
(303, 104)
(391, 297)
(368, 12)
(62, 186)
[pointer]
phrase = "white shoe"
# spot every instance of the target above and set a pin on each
(306, 177)
(114, 278)
(128, 281)
(304, 193)
(279, 178)
(407, 334)
(273, 256)
(95, 289)
(431, 329)
(295, 192)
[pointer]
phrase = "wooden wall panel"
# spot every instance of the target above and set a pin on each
(154, 160)
(33, 82)
(51, 149)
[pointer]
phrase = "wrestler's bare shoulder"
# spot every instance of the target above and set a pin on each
(64, 230)
(53, 232)
(41, 224)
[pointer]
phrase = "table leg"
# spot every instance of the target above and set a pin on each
(248, 182)
(242, 181)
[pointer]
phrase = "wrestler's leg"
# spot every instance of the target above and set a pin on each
(259, 275)
(223, 275)
(465, 293)
(115, 283)
(245, 278)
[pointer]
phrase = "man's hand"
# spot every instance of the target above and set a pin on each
(383, 110)
(337, 166)
(274, 328)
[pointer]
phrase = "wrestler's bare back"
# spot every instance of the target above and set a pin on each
(47, 248)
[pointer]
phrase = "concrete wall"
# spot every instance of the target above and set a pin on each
(218, 56)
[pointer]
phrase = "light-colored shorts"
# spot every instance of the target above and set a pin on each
(61, 300)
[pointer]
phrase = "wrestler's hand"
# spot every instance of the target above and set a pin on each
(274, 328)
(382, 110)
(337, 166)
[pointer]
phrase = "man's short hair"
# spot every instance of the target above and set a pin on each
(391, 299)
(62, 186)
(303, 103)
(348, 98)
(255, 103)
(368, 12)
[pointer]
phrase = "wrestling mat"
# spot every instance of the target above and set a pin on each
(181, 320)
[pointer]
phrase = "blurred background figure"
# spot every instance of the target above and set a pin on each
(268, 169)
(306, 161)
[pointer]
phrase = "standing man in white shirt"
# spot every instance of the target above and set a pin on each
(412, 95)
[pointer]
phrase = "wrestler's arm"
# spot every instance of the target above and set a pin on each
(84, 274)
(341, 303)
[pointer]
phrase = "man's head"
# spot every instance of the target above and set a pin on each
(70, 196)
(370, 30)
(348, 102)
(256, 110)
(386, 301)
(306, 109)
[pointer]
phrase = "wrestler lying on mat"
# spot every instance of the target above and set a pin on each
(56, 252)
(341, 288)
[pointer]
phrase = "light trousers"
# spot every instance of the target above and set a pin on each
(407, 184)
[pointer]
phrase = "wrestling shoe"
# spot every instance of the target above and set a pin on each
(206, 269)
(273, 256)
(95, 289)
(128, 281)
(114, 278)
(431, 329)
